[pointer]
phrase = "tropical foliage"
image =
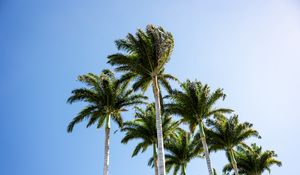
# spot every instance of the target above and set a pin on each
(251, 160)
(227, 133)
(140, 62)
(143, 63)
(106, 99)
(180, 152)
(143, 128)
(195, 103)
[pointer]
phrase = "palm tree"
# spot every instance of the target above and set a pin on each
(225, 134)
(180, 152)
(194, 104)
(143, 127)
(251, 160)
(143, 63)
(106, 99)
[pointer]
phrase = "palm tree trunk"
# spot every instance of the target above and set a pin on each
(183, 170)
(155, 159)
(203, 140)
(160, 141)
(233, 162)
(106, 149)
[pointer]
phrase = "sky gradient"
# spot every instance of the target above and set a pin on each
(249, 48)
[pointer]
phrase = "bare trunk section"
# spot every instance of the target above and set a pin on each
(155, 159)
(183, 170)
(203, 140)
(160, 141)
(106, 149)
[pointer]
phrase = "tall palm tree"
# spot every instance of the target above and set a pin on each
(251, 160)
(106, 98)
(195, 103)
(143, 63)
(143, 128)
(225, 134)
(180, 152)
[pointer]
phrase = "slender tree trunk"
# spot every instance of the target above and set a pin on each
(233, 162)
(160, 141)
(203, 140)
(155, 159)
(106, 149)
(183, 170)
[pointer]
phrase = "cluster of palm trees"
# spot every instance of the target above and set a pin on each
(140, 61)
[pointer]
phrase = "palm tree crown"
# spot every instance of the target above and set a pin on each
(180, 152)
(225, 134)
(146, 54)
(105, 97)
(251, 160)
(195, 103)
(143, 127)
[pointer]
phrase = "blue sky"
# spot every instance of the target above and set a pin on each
(249, 48)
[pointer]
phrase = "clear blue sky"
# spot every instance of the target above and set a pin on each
(249, 48)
